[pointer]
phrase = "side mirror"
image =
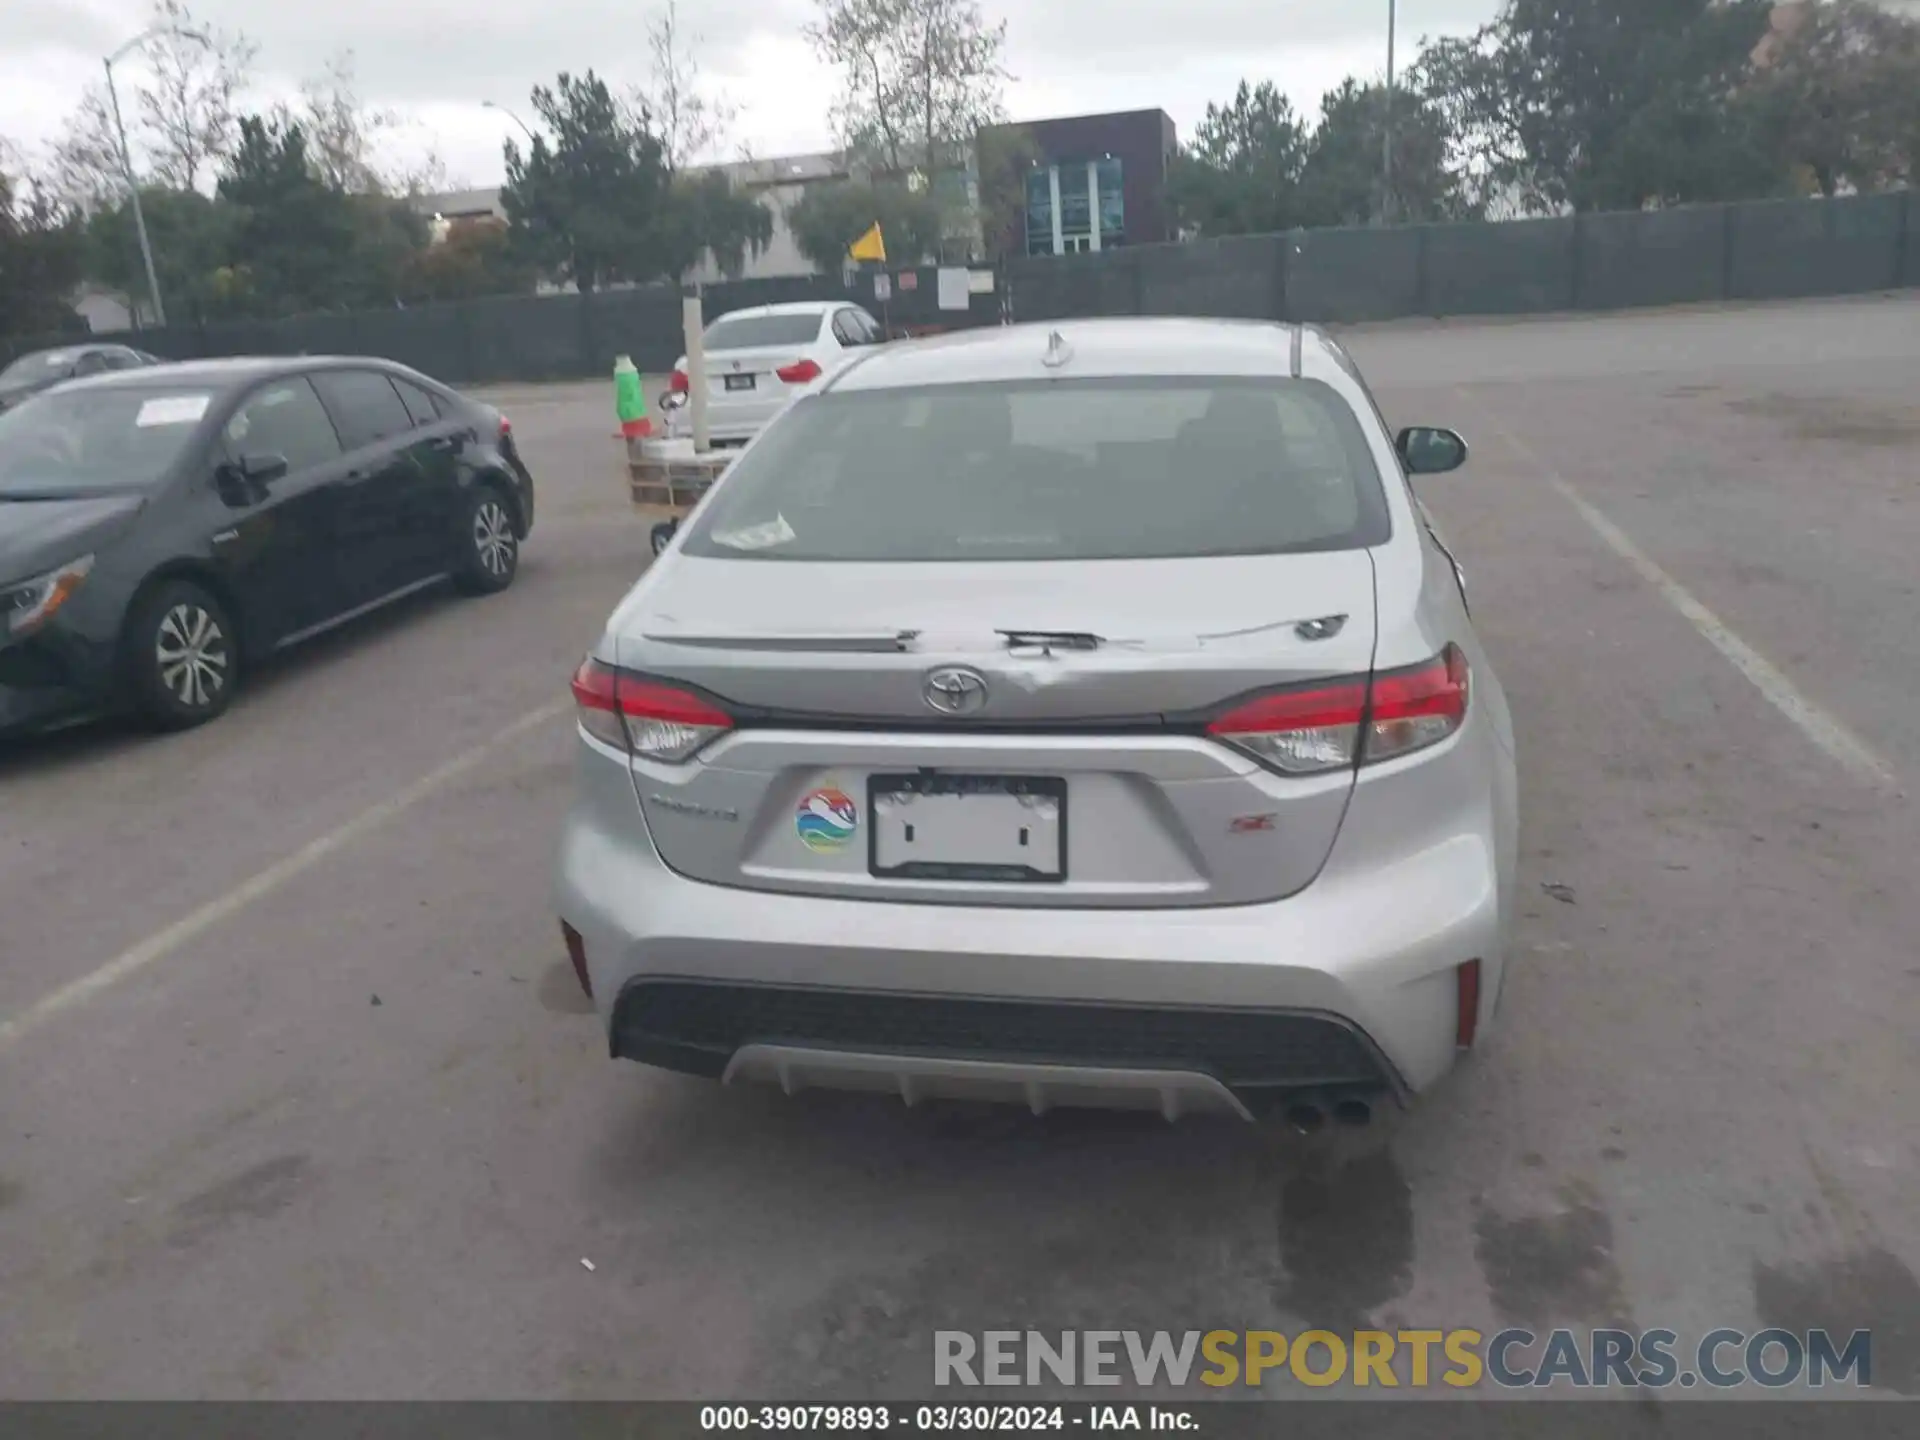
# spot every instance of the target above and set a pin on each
(1429, 450)
(263, 470)
(244, 481)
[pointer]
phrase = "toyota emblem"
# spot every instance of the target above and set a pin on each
(956, 690)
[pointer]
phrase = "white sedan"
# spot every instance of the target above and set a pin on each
(758, 360)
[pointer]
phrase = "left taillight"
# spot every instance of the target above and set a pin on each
(644, 717)
(1336, 725)
(801, 372)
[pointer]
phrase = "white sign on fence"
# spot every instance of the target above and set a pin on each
(954, 288)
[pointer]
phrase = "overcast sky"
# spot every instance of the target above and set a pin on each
(436, 60)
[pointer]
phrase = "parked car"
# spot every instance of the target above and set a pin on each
(43, 369)
(161, 529)
(1090, 716)
(759, 360)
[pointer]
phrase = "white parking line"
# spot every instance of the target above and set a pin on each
(162, 943)
(1827, 732)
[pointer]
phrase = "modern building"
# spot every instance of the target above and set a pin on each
(1091, 182)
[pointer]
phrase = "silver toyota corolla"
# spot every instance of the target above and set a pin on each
(1086, 715)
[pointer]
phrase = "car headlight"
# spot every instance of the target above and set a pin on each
(30, 604)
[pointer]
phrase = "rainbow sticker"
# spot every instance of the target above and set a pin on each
(827, 820)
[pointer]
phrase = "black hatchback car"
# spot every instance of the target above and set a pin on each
(159, 529)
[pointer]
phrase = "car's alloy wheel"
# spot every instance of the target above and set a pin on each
(193, 656)
(493, 539)
(180, 655)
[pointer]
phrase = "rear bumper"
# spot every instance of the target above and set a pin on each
(1351, 983)
(1172, 1058)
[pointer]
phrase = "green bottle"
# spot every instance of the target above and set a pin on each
(629, 401)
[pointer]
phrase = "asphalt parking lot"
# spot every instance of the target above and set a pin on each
(299, 1099)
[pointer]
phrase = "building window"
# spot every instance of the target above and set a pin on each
(1113, 203)
(1039, 212)
(1076, 207)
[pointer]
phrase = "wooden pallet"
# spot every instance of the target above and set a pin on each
(666, 483)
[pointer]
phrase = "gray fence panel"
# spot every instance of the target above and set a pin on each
(1069, 287)
(1758, 250)
(249, 337)
(1910, 240)
(645, 325)
(1511, 268)
(1659, 257)
(430, 338)
(1787, 248)
(530, 337)
(1869, 234)
(1232, 278)
(1351, 274)
(323, 335)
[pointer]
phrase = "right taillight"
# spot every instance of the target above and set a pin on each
(1338, 724)
(644, 717)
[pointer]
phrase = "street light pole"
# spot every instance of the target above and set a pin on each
(490, 105)
(1386, 142)
(133, 189)
(126, 154)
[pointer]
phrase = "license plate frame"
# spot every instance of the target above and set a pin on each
(1027, 790)
(733, 384)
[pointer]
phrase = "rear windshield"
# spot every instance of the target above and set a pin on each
(1067, 470)
(39, 367)
(80, 441)
(750, 332)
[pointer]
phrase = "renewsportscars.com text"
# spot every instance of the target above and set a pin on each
(1414, 1359)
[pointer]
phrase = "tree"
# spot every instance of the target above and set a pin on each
(473, 258)
(919, 79)
(87, 168)
(1343, 178)
(587, 206)
(827, 219)
(179, 108)
(704, 213)
(192, 235)
(1575, 104)
(40, 260)
(1004, 156)
(292, 236)
(342, 130)
(1241, 173)
(689, 124)
(188, 110)
(1839, 95)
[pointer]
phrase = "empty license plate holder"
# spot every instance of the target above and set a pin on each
(997, 829)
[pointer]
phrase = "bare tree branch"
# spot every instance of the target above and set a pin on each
(189, 110)
(689, 123)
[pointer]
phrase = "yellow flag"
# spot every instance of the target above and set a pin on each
(870, 246)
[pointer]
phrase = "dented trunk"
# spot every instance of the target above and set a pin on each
(1005, 733)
